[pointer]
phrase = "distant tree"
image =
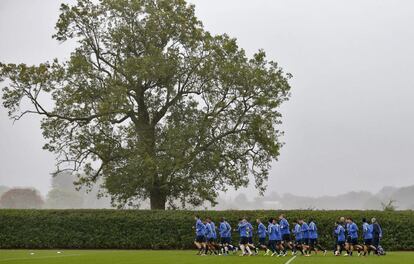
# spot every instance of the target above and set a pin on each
(153, 104)
(3, 189)
(58, 198)
(21, 198)
(65, 194)
(389, 206)
(64, 180)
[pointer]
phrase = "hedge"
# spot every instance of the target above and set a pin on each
(144, 229)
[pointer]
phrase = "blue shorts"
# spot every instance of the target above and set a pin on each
(200, 239)
(354, 241)
(298, 242)
(313, 241)
(262, 241)
(286, 237)
(340, 243)
(375, 241)
(368, 242)
(250, 240)
(244, 241)
(305, 241)
(225, 240)
(211, 240)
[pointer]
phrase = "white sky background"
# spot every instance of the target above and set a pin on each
(349, 124)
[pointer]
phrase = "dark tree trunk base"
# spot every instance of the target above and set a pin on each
(157, 200)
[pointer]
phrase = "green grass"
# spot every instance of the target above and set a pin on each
(179, 257)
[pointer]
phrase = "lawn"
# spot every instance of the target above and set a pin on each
(179, 257)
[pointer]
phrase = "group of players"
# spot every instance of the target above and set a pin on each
(276, 238)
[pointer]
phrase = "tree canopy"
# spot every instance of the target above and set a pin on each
(153, 104)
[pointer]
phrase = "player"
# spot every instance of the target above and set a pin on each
(242, 228)
(340, 238)
(209, 234)
(353, 234)
(279, 244)
(225, 236)
(313, 238)
(200, 240)
(262, 233)
(271, 230)
(367, 235)
(305, 236)
(250, 238)
(297, 231)
(212, 241)
(376, 234)
(284, 228)
(348, 237)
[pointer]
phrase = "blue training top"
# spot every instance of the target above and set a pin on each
(200, 228)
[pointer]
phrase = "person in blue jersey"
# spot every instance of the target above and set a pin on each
(352, 229)
(242, 228)
(250, 242)
(313, 238)
(297, 232)
(200, 240)
(367, 230)
(347, 237)
(285, 229)
(272, 236)
(340, 238)
(211, 236)
(376, 234)
(225, 235)
(262, 234)
(305, 236)
(278, 235)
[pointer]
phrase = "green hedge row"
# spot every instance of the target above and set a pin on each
(130, 229)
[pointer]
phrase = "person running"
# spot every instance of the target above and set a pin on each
(250, 238)
(272, 236)
(313, 238)
(242, 228)
(200, 240)
(225, 236)
(367, 235)
(210, 237)
(376, 234)
(305, 236)
(285, 229)
(353, 234)
(297, 231)
(344, 224)
(262, 233)
(279, 244)
(340, 238)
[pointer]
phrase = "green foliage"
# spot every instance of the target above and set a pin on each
(130, 229)
(153, 104)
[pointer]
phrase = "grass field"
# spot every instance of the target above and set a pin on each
(180, 257)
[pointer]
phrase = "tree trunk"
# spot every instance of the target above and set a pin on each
(157, 199)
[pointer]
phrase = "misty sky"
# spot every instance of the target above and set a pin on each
(349, 124)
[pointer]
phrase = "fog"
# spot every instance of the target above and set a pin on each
(349, 123)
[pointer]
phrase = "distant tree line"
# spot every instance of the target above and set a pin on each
(62, 195)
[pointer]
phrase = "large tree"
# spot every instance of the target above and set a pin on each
(153, 104)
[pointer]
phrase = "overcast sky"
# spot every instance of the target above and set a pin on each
(349, 124)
